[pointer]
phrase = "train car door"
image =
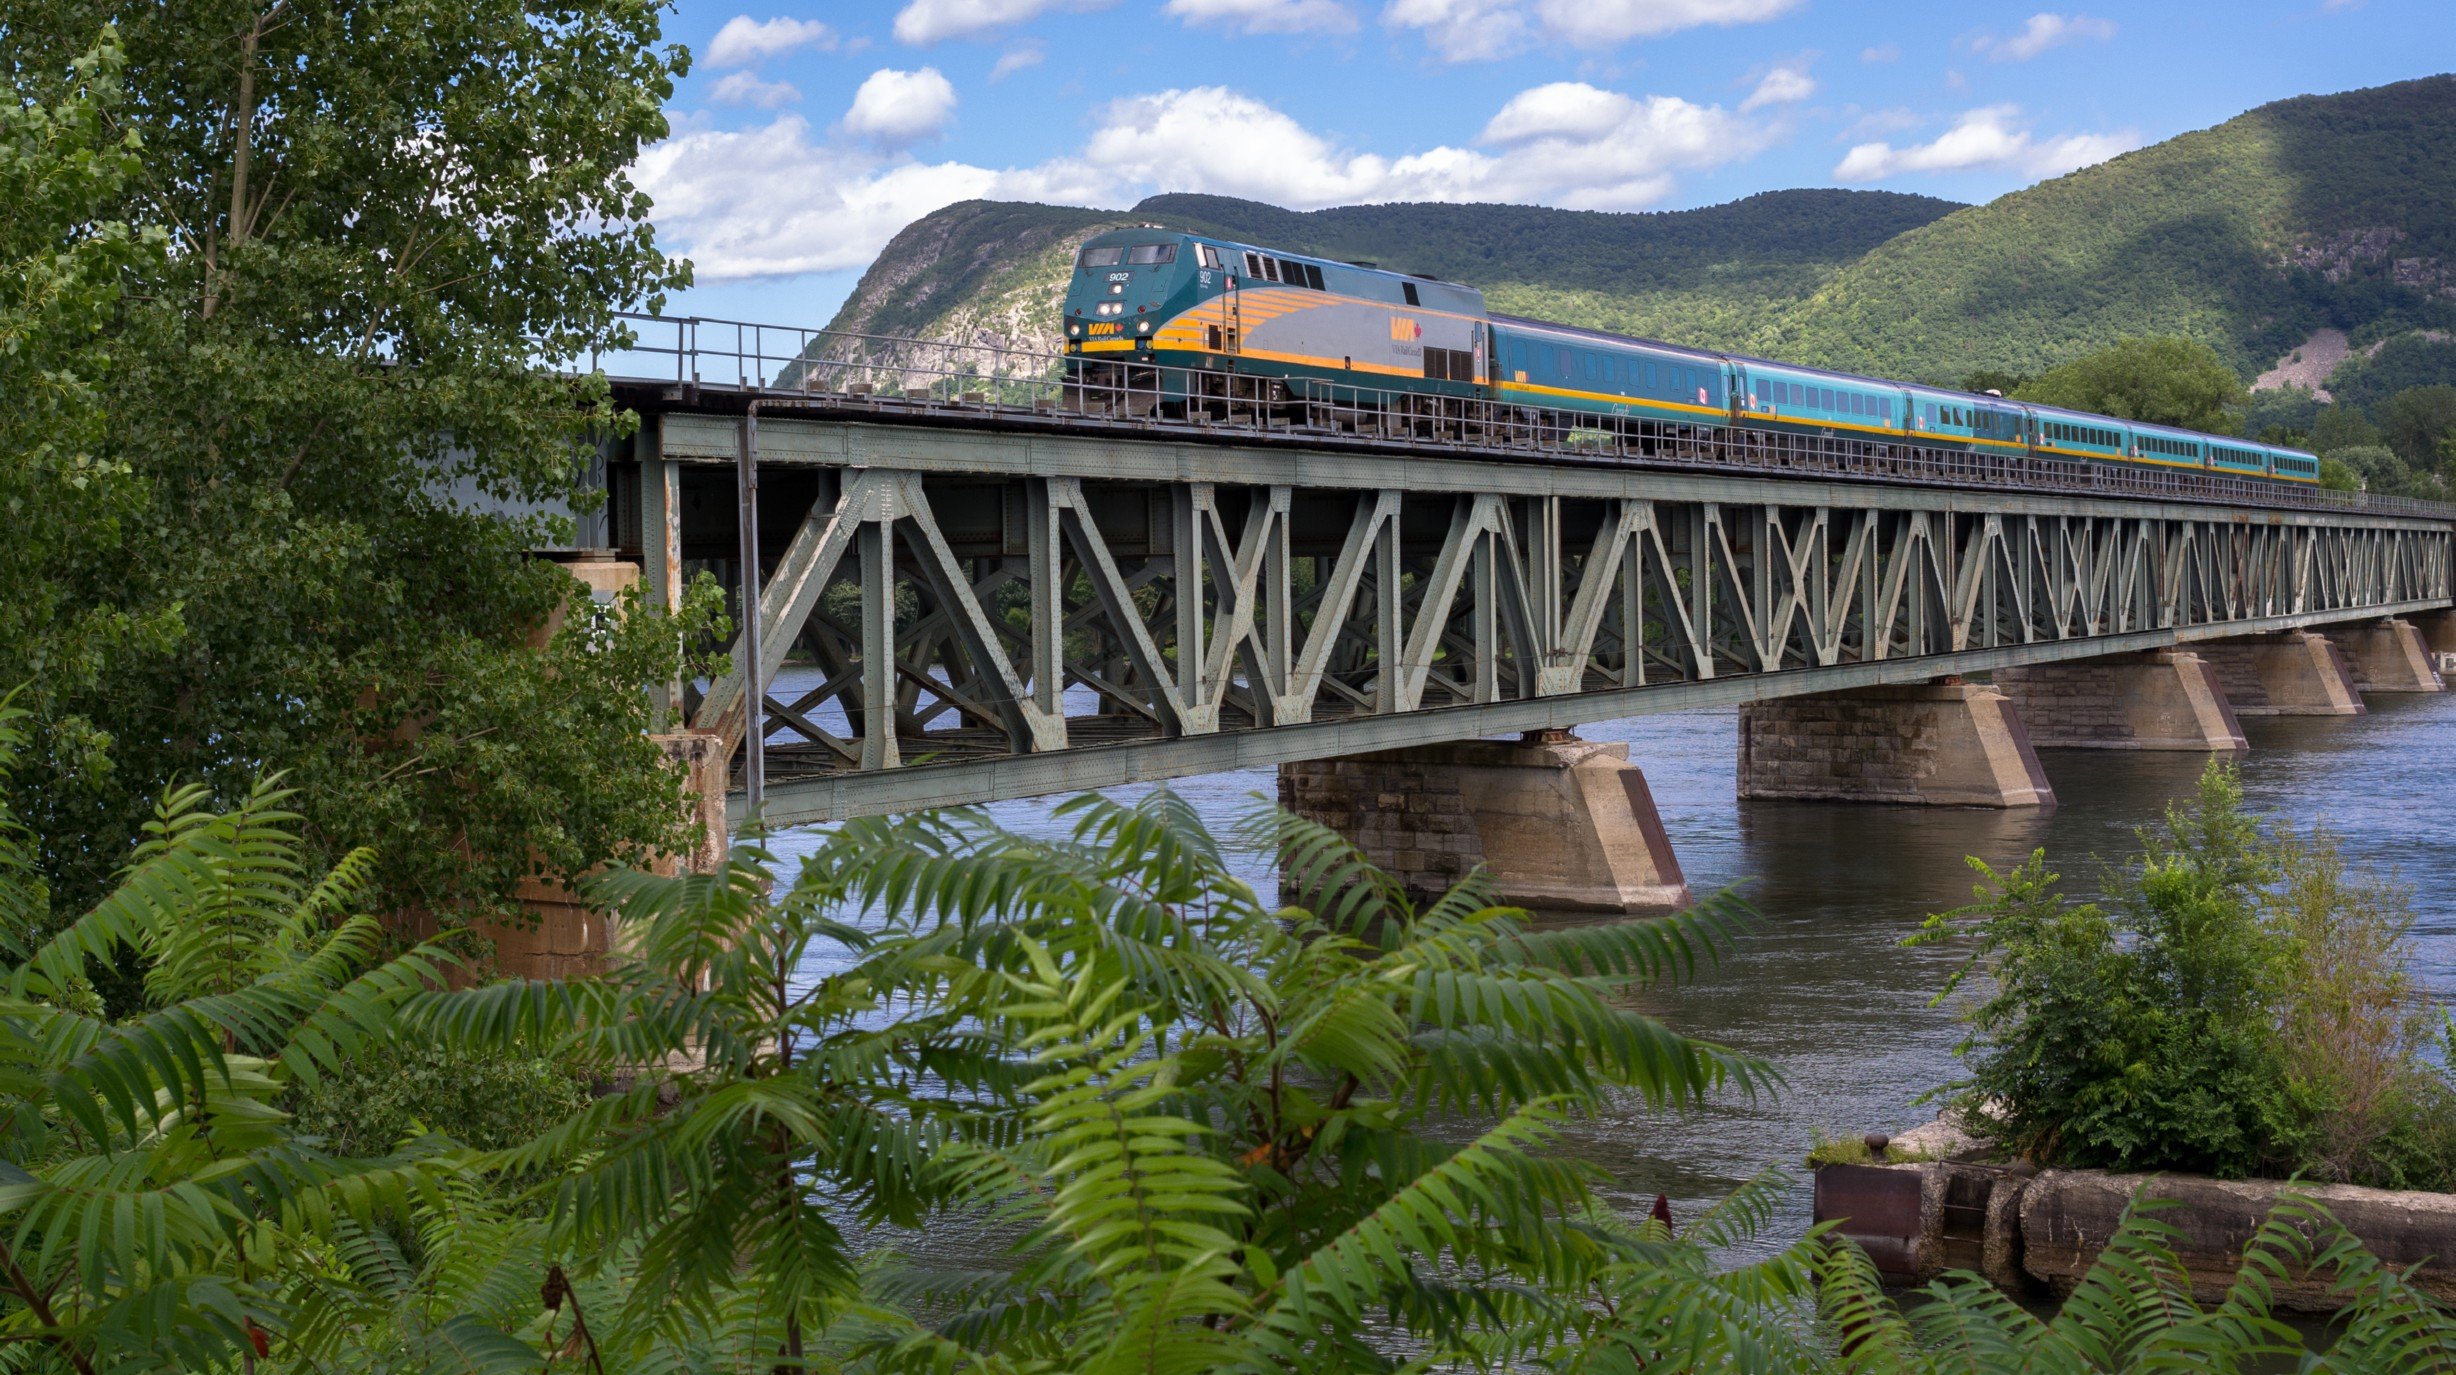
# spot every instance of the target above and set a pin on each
(1235, 342)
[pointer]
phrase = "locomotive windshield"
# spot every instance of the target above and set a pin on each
(1110, 256)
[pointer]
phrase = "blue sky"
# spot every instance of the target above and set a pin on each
(809, 133)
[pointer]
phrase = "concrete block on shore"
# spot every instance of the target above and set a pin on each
(2067, 1217)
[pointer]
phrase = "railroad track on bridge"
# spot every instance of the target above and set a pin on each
(991, 596)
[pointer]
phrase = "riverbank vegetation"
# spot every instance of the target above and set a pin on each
(2237, 1004)
(1088, 1104)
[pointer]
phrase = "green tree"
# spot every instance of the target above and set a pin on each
(2418, 423)
(380, 222)
(1994, 380)
(2163, 381)
(2379, 469)
(63, 170)
(2342, 427)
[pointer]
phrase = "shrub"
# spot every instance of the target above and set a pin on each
(2241, 1005)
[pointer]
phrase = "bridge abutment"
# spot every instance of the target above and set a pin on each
(2292, 673)
(2163, 699)
(1950, 744)
(1559, 825)
(2386, 656)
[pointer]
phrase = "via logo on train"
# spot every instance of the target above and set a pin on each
(1216, 318)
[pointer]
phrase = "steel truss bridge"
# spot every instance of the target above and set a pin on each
(983, 582)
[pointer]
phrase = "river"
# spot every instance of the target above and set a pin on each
(1820, 985)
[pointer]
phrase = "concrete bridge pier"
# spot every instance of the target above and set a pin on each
(2386, 656)
(2291, 673)
(1559, 824)
(2163, 699)
(1946, 744)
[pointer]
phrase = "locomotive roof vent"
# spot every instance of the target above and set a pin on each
(1359, 262)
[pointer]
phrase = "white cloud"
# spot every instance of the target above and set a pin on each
(1473, 30)
(1566, 144)
(776, 200)
(1017, 58)
(1617, 21)
(742, 88)
(1785, 84)
(1882, 52)
(932, 21)
(2042, 32)
(719, 193)
(745, 40)
(895, 108)
(1990, 137)
(1267, 16)
(1462, 30)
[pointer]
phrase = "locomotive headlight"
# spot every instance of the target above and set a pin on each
(1142, 327)
(1074, 331)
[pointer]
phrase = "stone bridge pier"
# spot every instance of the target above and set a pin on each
(2163, 699)
(1558, 824)
(1945, 744)
(2386, 656)
(2291, 673)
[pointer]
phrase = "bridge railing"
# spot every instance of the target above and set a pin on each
(891, 373)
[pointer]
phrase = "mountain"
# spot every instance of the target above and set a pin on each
(2317, 213)
(2312, 240)
(986, 271)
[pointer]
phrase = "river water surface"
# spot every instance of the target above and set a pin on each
(1820, 985)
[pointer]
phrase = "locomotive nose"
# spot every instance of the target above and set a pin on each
(1116, 303)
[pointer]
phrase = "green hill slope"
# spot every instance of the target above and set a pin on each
(987, 271)
(2287, 226)
(2319, 211)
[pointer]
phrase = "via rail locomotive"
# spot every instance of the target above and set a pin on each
(1196, 320)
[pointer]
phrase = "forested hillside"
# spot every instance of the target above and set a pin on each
(2286, 226)
(2319, 211)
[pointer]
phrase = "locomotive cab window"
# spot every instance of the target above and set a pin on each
(1210, 256)
(1103, 257)
(1145, 254)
